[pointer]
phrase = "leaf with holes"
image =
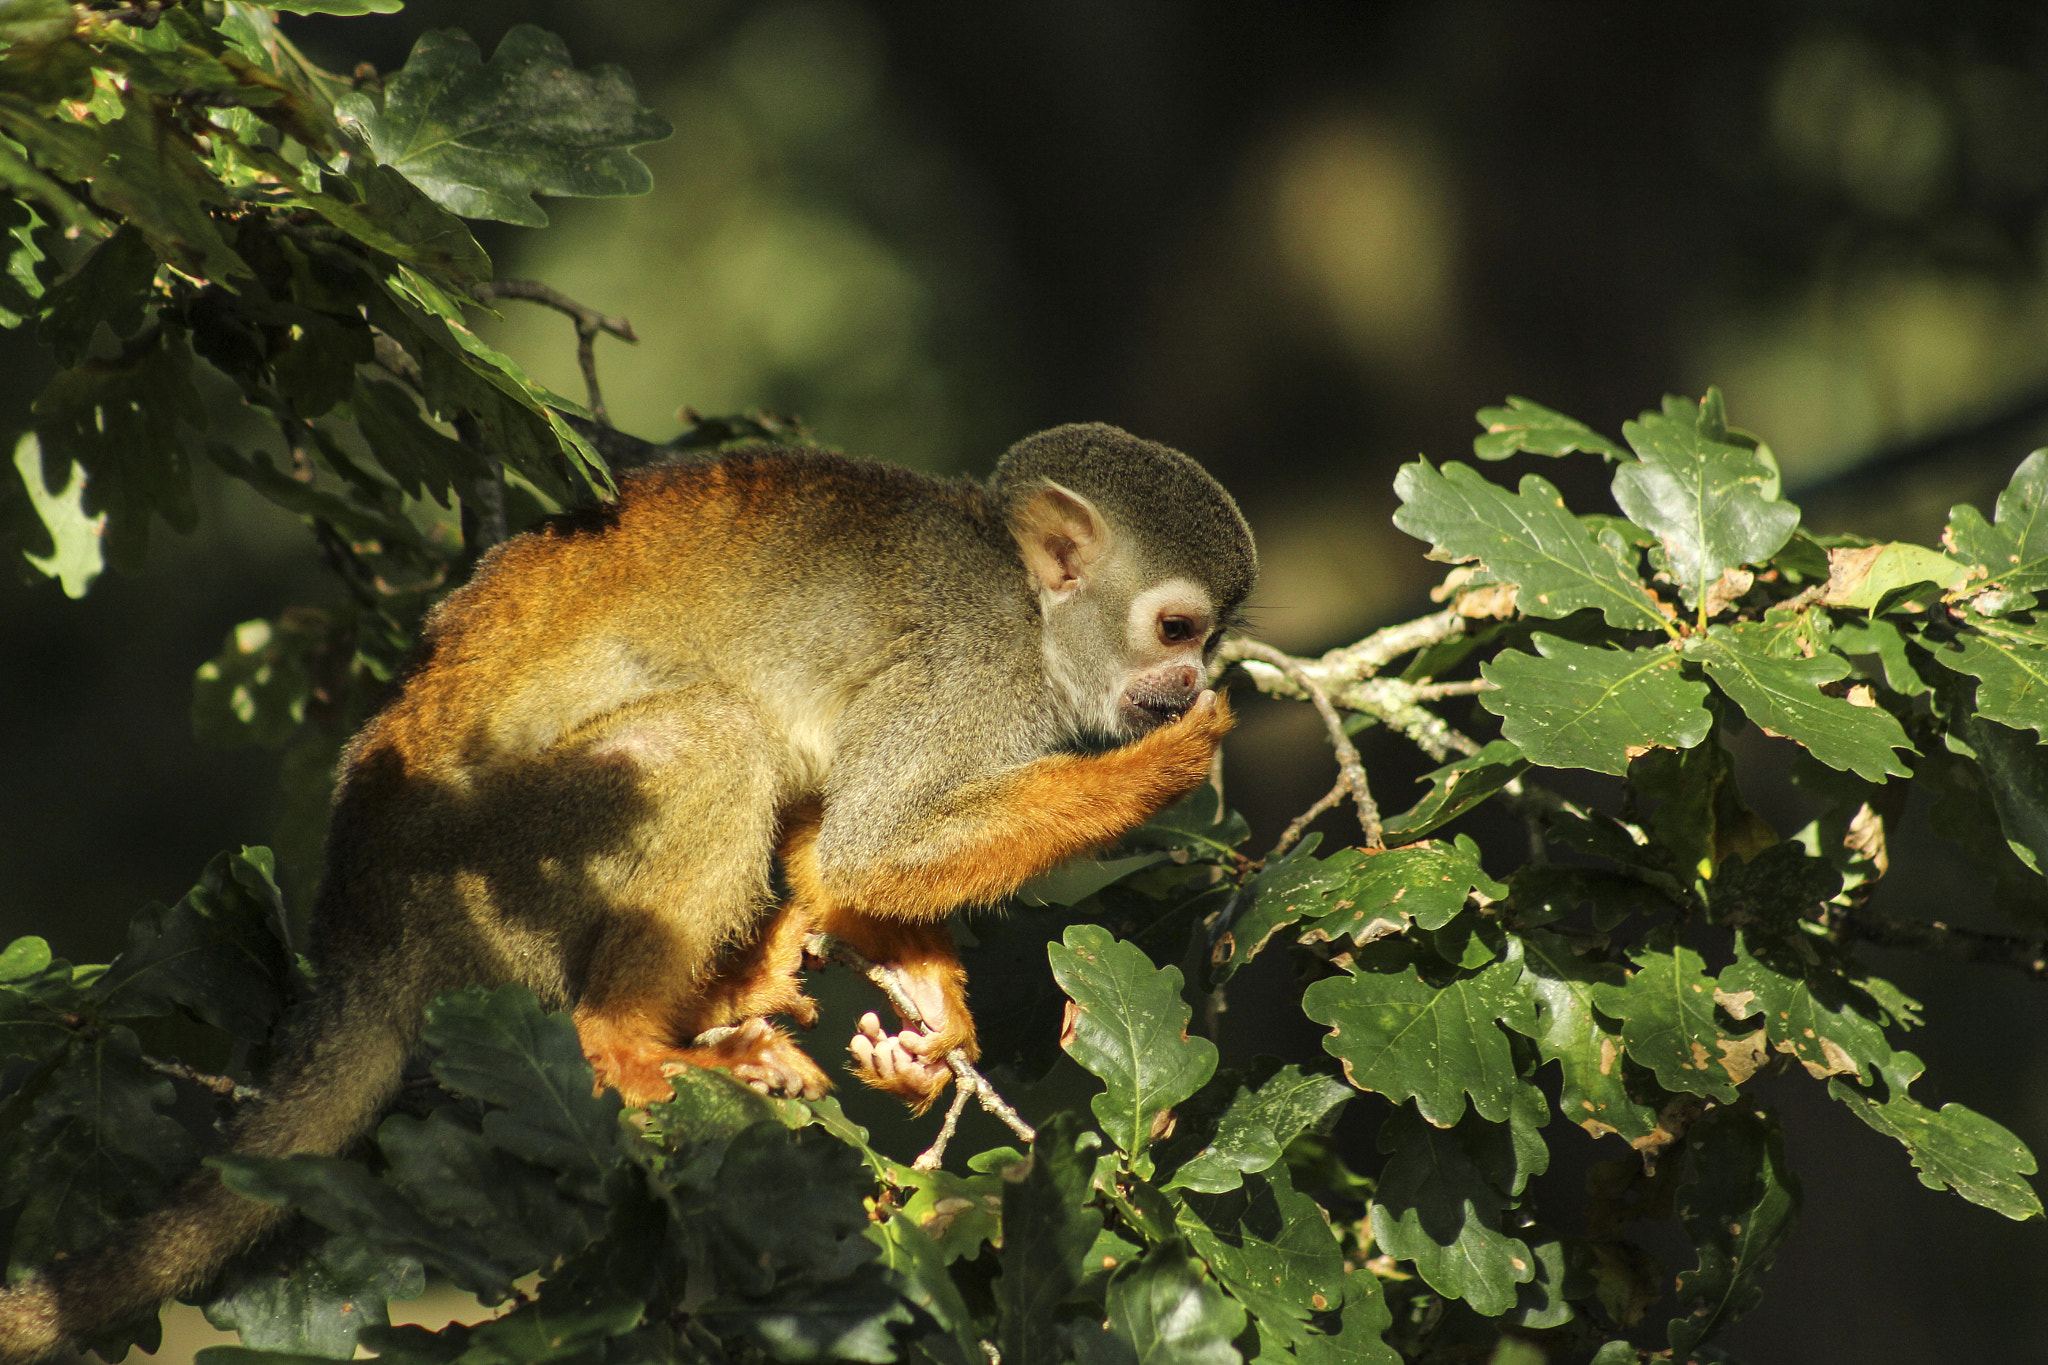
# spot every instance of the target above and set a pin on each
(1528, 538)
(1426, 884)
(1667, 1009)
(1523, 425)
(1404, 1038)
(1738, 1204)
(1783, 697)
(1569, 1031)
(1257, 1126)
(1581, 707)
(1811, 1009)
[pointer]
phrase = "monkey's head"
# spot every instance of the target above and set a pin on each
(1140, 562)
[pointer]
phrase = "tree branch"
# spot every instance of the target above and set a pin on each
(1351, 771)
(2026, 955)
(589, 322)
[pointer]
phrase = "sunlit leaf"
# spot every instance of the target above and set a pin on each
(1667, 1006)
(1711, 504)
(1523, 425)
(1580, 707)
(1528, 538)
(1954, 1147)
(1783, 696)
(1404, 1038)
(1129, 1027)
(2014, 550)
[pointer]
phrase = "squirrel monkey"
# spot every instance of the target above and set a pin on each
(918, 693)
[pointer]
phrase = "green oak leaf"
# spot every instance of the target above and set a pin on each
(1437, 1208)
(2014, 551)
(1864, 577)
(1712, 505)
(88, 1144)
(1667, 1009)
(218, 954)
(2011, 674)
(1161, 1311)
(127, 427)
(339, 1287)
(1290, 888)
(1256, 1127)
(1581, 707)
(1737, 1204)
(1953, 1148)
(1569, 1031)
(1810, 1009)
(1360, 1336)
(74, 559)
(1404, 1038)
(1271, 1246)
(1130, 1028)
(1456, 788)
(1426, 884)
(497, 1046)
(344, 1197)
(1783, 697)
(483, 138)
(1048, 1228)
(110, 286)
(917, 1266)
(1527, 538)
(1523, 425)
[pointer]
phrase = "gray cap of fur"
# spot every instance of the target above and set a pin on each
(1191, 527)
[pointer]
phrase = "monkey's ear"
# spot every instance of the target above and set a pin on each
(1061, 535)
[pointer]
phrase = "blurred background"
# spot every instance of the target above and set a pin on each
(1302, 242)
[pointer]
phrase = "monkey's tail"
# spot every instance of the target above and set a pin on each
(341, 1063)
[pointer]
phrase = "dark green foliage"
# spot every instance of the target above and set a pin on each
(244, 223)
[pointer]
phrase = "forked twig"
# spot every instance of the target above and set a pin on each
(966, 1078)
(1350, 769)
(589, 322)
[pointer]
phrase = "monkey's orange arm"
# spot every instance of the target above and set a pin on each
(1026, 822)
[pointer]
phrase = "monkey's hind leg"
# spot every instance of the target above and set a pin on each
(729, 1019)
(692, 779)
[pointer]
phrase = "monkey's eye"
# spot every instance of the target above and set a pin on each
(1176, 630)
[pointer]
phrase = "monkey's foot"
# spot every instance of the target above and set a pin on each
(911, 1064)
(762, 1056)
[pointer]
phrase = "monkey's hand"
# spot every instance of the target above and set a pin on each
(1176, 756)
(911, 1064)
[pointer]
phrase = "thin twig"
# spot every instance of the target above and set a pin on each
(1350, 769)
(827, 948)
(934, 1156)
(1302, 821)
(225, 1086)
(589, 322)
(1471, 687)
